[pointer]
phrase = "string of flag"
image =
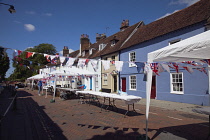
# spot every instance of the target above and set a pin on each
(156, 67)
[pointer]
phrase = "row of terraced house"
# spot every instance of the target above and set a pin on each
(133, 43)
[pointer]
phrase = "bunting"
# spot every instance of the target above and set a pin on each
(19, 52)
(29, 54)
(106, 64)
(207, 61)
(188, 68)
(81, 63)
(94, 64)
(70, 62)
(62, 59)
(154, 67)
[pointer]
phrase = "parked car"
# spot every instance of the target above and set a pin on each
(20, 85)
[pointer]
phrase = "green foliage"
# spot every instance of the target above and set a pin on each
(43, 48)
(27, 67)
(4, 63)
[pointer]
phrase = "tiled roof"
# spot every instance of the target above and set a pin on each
(120, 37)
(193, 14)
(74, 54)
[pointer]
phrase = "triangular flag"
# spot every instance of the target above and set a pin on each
(94, 64)
(28, 54)
(19, 52)
(62, 59)
(70, 62)
(160, 68)
(188, 68)
(165, 66)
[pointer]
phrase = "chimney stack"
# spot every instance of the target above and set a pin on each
(124, 25)
(100, 36)
(65, 51)
(84, 43)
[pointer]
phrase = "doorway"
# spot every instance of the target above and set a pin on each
(115, 83)
(123, 86)
(91, 83)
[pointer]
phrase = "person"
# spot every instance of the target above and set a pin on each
(39, 86)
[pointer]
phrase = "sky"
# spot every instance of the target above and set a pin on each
(62, 22)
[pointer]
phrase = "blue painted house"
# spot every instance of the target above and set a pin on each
(183, 86)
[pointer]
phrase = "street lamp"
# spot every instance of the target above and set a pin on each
(11, 9)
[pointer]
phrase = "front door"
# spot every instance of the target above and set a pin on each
(115, 83)
(91, 83)
(123, 86)
(153, 88)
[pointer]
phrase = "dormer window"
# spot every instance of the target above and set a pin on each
(113, 42)
(102, 46)
(83, 53)
(90, 51)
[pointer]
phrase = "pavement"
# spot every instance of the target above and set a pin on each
(37, 118)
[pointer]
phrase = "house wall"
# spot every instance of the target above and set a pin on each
(98, 76)
(195, 85)
(109, 87)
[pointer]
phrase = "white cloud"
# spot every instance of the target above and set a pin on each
(29, 27)
(18, 22)
(47, 14)
(70, 50)
(168, 14)
(30, 12)
(187, 2)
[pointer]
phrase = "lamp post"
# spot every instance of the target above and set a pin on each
(11, 9)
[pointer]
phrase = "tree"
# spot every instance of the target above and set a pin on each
(4, 63)
(27, 67)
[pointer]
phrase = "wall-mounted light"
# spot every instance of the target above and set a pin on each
(11, 9)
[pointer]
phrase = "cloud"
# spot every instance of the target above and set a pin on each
(187, 2)
(18, 22)
(29, 27)
(30, 12)
(167, 14)
(47, 14)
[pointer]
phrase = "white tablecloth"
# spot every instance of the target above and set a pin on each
(129, 99)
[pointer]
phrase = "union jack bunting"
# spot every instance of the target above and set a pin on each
(202, 70)
(189, 69)
(54, 61)
(174, 66)
(191, 63)
(207, 61)
(154, 67)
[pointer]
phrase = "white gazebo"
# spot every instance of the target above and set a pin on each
(69, 71)
(195, 48)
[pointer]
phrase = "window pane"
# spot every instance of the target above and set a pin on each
(177, 82)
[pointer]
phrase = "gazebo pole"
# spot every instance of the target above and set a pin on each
(54, 89)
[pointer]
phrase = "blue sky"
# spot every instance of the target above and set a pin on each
(61, 22)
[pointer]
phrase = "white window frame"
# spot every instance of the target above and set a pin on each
(83, 53)
(132, 60)
(113, 42)
(90, 51)
(132, 81)
(177, 84)
(101, 46)
(105, 79)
